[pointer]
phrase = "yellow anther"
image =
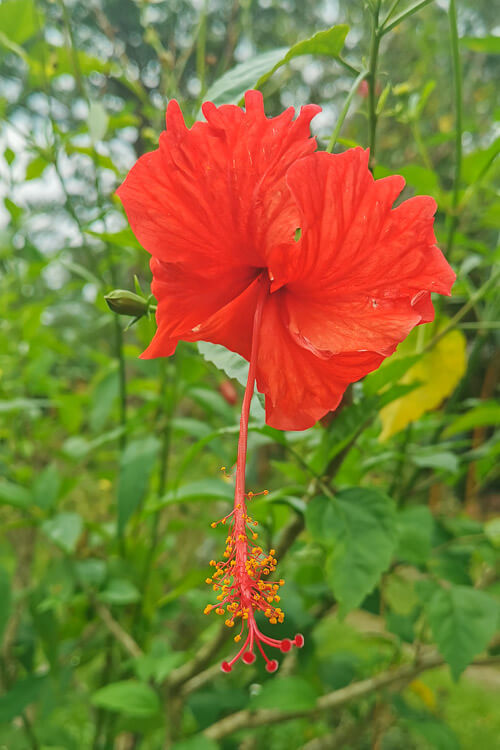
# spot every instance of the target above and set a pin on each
(255, 536)
(221, 597)
(272, 552)
(276, 598)
(281, 581)
(272, 620)
(223, 468)
(269, 599)
(213, 524)
(229, 623)
(212, 563)
(219, 611)
(207, 609)
(237, 638)
(208, 580)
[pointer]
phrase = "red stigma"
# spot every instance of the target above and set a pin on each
(225, 667)
(299, 640)
(272, 665)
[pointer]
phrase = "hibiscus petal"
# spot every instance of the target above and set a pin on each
(217, 192)
(211, 203)
(186, 300)
(369, 285)
(301, 387)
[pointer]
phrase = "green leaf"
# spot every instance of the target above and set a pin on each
(202, 489)
(423, 181)
(490, 45)
(15, 495)
(17, 20)
(158, 663)
(463, 621)
(5, 599)
(232, 364)
(492, 531)
(359, 527)
(120, 592)
(255, 72)
(103, 399)
(91, 571)
(286, 694)
(230, 87)
(329, 43)
(64, 530)
(36, 168)
(136, 465)
(400, 594)
(198, 742)
(129, 697)
(485, 414)
(415, 527)
(97, 121)
(339, 433)
(46, 487)
(444, 460)
(20, 696)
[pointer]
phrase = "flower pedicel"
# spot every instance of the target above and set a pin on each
(218, 207)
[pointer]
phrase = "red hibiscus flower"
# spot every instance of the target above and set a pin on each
(218, 207)
(297, 261)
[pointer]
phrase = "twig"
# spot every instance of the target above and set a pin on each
(334, 700)
(121, 635)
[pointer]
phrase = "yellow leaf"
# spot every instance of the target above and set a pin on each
(424, 692)
(438, 371)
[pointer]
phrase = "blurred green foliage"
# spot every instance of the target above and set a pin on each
(109, 464)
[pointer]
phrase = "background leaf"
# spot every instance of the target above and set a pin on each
(447, 357)
(135, 470)
(129, 697)
(358, 527)
(463, 621)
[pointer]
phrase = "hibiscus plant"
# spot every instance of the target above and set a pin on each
(249, 492)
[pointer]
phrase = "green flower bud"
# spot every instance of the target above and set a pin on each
(123, 302)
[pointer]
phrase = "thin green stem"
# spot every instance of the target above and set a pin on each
(391, 12)
(457, 80)
(72, 50)
(345, 110)
(201, 44)
(123, 380)
(167, 413)
(372, 81)
(30, 732)
(347, 65)
(384, 29)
